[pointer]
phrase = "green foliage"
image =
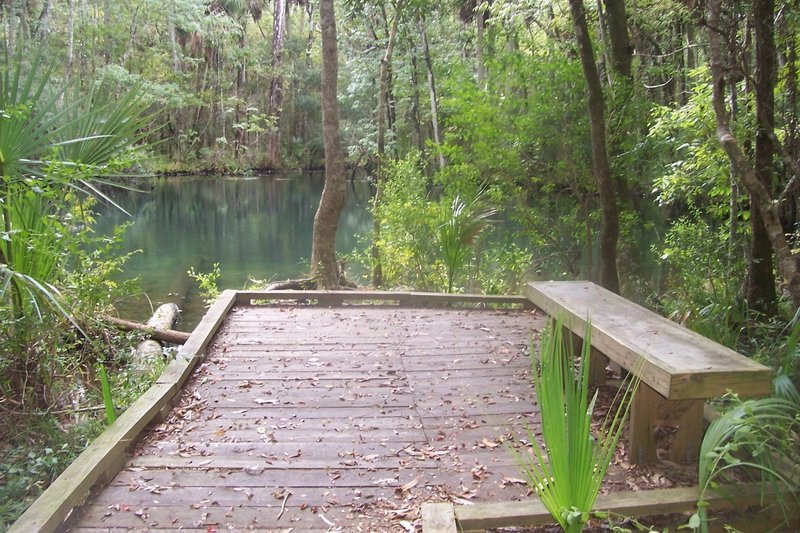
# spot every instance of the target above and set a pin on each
(433, 238)
(460, 232)
(683, 139)
(567, 472)
(38, 445)
(25, 471)
(698, 274)
(111, 413)
(207, 282)
(754, 439)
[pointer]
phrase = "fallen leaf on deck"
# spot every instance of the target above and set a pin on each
(408, 526)
(408, 486)
(265, 401)
(512, 481)
(486, 443)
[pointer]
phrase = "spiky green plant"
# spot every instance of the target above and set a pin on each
(567, 472)
(50, 139)
(108, 402)
(460, 232)
(757, 439)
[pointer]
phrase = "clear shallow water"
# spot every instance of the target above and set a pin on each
(253, 227)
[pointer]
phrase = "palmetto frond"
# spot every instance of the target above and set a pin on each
(50, 138)
(460, 232)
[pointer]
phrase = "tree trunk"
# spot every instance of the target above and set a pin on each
(383, 110)
(276, 86)
(10, 21)
(480, 24)
(761, 296)
(787, 262)
(240, 134)
(70, 39)
(605, 62)
(173, 39)
(609, 230)
(426, 51)
(415, 104)
(42, 28)
(108, 40)
(621, 48)
(323, 250)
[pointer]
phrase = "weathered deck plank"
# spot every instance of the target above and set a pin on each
(361, 413)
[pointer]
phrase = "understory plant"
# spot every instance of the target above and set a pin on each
(567, 472)
(756, 440)
(459, 233)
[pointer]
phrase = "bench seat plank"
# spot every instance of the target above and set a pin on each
(679, 364)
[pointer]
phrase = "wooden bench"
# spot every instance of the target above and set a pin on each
(680, 369)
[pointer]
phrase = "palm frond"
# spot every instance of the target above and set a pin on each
(756, 438)
(569, 481)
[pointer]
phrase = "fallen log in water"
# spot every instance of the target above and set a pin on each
(163, 335)
(150, 350)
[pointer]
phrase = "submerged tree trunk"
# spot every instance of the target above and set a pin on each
(788, 263)
(609, 230)
(276, 86)
(323, 251)
(426, 51)
(761, 296)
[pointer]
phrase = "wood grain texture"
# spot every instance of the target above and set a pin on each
(406, 299)
(483, 516)
(337, 413)
(677, 362)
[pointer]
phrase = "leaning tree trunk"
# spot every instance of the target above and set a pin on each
(323, 250)
(761, 296)
(609, 229)
(276, 87)
(788, 263)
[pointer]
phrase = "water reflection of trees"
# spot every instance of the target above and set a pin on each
(252, 227)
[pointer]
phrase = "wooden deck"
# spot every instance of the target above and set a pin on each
(347, 418)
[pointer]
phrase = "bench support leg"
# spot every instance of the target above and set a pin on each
(641, 441)
(597, 361)
(650, 409)
(688, 416)
(597, 367)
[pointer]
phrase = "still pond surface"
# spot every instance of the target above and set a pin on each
(255, 228)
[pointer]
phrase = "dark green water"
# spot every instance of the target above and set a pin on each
(253, 227)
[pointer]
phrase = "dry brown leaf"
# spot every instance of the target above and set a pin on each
(408, 486)
(512, 481)
(486, 443)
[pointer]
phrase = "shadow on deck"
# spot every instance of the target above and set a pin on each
(309, 418)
